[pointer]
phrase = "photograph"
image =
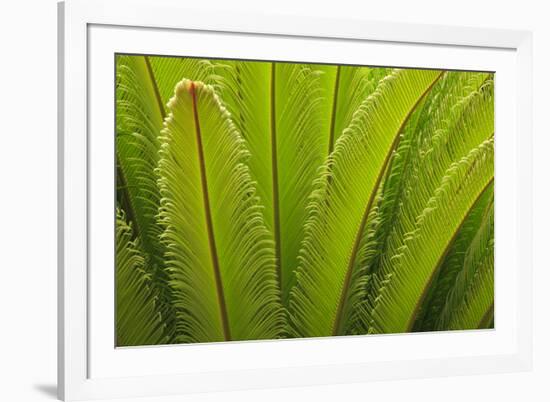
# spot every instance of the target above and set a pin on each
(246, 201)
(271, 200)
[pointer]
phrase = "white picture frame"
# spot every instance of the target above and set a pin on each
(91, 368)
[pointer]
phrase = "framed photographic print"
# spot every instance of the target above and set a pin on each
(263, 201)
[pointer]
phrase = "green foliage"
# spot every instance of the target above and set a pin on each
(139, 321)
(276, 108)
(263, 200)
(342, 200)
(218, 251)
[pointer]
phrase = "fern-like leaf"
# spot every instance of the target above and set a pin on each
(138, 318)
(276, 106)
(219, 252)
(343, 199)
(470, 301)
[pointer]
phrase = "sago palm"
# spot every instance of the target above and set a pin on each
(267, 200)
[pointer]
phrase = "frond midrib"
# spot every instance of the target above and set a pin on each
(275, 175)
(154, 84)
(209, 223)
(334, 110)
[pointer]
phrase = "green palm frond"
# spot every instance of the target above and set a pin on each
(423, 250)
(469, 304)
(139, 119)
(408, 172)
(343, 198)
(276, 108)
(441, 108)
(467, 122)
(387, 204)
(218, 250)
(344, 88)
(453, 265)
(139, 321)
